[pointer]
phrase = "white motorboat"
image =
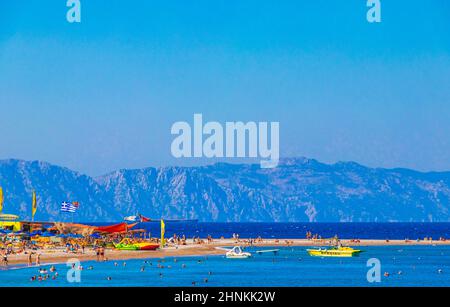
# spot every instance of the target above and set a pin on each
(131, 218)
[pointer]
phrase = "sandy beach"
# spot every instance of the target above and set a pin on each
(194, 249)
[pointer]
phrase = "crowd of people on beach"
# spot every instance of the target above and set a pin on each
(175, 239)
(5, 252)
(310, 236)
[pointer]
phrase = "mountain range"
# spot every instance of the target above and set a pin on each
(298, 190)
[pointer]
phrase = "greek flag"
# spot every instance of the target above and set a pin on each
(68, 207)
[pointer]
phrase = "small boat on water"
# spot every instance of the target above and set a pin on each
(142, 219)
(339, 251)
(237, 253)
(268, 251)
(131, 218)
(137, 218)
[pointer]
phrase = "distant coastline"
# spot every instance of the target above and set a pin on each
(298, 190)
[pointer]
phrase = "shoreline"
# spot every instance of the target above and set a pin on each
(53, 256)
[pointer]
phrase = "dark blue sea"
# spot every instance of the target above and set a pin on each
(382, 231)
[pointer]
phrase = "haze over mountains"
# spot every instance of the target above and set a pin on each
(299, 189)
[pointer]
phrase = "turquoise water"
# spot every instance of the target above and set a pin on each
(290, 267)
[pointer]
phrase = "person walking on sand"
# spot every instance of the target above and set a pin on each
(5, 259)
(30, 259)
(38, 259)
(102, 253)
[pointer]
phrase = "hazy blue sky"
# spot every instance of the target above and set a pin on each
(103, 94)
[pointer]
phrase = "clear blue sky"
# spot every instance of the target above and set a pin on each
(103, 94)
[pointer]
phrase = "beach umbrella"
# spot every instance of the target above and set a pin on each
(47, 234)
(62, 235)
(95, 236)
(18, 233)
(35, 233)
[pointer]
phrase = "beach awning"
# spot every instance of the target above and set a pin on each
(122, 227)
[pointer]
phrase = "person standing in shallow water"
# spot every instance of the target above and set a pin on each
(102, 253)
(30, 259)
(4, 258)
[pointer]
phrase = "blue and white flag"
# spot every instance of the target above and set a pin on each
(68, 207)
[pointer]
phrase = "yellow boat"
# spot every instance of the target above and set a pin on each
(334, 252)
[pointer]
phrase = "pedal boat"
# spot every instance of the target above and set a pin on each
(237, 253)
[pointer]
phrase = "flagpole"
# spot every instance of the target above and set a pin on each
(33, 205)
(163, 230)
